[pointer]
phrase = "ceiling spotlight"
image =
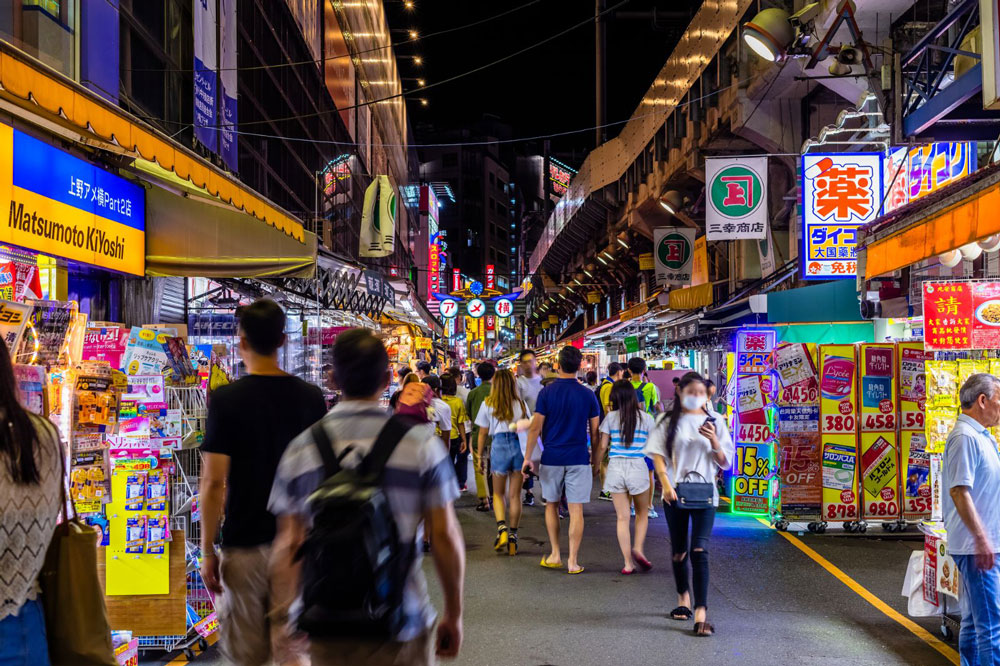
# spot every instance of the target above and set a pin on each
(772, 33)
(839, 69)
(408, 4)
(417, 60)
(413, 34)
(421, 82)
(672, 201)
(423, 101)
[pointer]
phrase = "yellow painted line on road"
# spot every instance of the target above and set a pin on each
(181, 659)
(949, 653)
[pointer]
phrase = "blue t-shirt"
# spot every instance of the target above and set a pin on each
(567, 407)
(971, 459)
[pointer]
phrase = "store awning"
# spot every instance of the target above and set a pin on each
(840, 333)
(691, 298)
(39, 90)
(944, 221)
(198, 237)
(830, 301)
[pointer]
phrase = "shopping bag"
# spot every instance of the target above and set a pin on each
(76, 618)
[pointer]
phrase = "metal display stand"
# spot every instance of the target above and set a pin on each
(184, 496)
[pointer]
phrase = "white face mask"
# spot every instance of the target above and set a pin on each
(692, 402)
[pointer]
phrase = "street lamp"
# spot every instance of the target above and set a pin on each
(672, 202)
(773, 32)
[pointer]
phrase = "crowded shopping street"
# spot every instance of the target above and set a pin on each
(419, 332)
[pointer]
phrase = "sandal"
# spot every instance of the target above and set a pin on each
(548, 565)
(501, 541)
(681, 614)
(643, 563)
(703, 629)
(626, 572)
(483, 506)
(578, 571)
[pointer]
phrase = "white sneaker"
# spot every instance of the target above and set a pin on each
(652, 513)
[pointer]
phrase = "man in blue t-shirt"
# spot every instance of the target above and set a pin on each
(566, 414)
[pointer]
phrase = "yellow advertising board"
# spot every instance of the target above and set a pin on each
(128, 572)
(878, 457)
(838, 431)
(914, 458)
(61, 205)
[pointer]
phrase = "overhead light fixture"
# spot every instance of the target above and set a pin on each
(773, 33)
(417, 60)
(622, 243)
(408, 4)
(607, 254)
(587, 273)
(423, 101)
(578, 283)
(421, 82)
(414, 34)
(601, 259)
(672, 202)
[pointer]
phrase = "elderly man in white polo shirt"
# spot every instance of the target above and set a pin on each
(972, 517)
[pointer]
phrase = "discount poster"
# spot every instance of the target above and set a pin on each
(838, 430)
(752, 484)
(800, 448)
(879, 470)
(914, 458)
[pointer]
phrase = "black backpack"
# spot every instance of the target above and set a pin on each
(354, 567)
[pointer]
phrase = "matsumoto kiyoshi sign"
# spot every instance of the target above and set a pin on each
(737, 198)
(673, 250)
(64, 206)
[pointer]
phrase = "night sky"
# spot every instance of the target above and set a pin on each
(546, 90)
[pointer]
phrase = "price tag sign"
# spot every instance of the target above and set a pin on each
(753, 433)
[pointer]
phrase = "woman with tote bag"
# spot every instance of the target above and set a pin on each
(30, 473)
(687, 450)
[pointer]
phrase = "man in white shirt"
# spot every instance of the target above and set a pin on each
(529, 382)
(529, 385)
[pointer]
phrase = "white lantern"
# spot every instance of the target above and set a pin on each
(950, 258)
(971, 251)
(990, 243)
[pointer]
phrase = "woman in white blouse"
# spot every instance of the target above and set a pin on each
(690, 446)
(30, 470)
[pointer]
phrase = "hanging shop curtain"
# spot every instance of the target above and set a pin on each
(190, 236)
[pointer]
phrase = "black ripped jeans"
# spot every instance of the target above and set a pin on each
(701, 521)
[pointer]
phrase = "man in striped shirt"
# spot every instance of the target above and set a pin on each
(419, 483)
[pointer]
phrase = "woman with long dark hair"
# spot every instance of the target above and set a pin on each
(626, 428)
(687, 450)
(30, 473)
(497, 418)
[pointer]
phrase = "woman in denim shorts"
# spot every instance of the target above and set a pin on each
(498, 418)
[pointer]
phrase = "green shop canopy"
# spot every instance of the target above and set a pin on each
(840, 333)
(827, 302)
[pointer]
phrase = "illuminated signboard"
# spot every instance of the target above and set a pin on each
(917, 172)
(752, 486)
(429, 206)
(456, 279)
(559, 176)
(64, 206)
(490, 276)
(840, 192)
(337, 176)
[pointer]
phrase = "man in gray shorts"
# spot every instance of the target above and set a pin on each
(566, 414)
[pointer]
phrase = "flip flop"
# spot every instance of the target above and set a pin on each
(545, 563)
(578, 571)
(703, 629)
(626, 572)
(643, 563)
(681, 614)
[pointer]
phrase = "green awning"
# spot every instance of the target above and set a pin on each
(830, 301)
(844, 333)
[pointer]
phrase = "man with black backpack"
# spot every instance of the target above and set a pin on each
(353, 495)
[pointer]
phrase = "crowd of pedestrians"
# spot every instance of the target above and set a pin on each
(315, 521)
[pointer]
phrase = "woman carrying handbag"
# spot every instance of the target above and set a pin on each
(30, 470)
(687, 449)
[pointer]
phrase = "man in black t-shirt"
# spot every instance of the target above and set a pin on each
(250, 423)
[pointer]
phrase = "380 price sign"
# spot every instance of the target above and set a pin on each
(838, 423)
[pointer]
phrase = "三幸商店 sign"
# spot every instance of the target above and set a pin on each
(840, 193)
(60, 205)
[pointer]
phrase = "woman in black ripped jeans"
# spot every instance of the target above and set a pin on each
(690, 446)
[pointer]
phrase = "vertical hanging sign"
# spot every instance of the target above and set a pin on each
(915, 461)
(456, 279)
(879, 469)
(736, 198)
(490, 276)
(227, 75)
(206, 64)
(838, 431)
(755, 426)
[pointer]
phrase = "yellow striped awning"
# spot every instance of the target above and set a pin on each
(30, 84)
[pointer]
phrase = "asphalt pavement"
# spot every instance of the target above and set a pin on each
(770, 602)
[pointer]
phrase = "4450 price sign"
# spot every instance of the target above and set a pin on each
(753, 433)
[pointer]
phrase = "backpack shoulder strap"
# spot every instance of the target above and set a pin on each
(324, 445)
(385, 443)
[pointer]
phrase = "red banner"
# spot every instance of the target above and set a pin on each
(961, 315)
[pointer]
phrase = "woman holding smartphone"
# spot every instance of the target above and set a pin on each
(687, 449)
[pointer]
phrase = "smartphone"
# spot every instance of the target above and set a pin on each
(709, 420)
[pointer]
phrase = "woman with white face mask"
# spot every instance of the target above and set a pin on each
(687, 449)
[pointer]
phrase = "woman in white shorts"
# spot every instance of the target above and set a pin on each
(626, 429)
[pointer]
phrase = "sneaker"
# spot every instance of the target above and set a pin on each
(529, 499)
(463, 489)
(652, 513)
(632, 511)
(605, 496)
(512, 545)
(563, 514)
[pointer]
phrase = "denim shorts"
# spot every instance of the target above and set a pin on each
(505, 453)
(22, 637)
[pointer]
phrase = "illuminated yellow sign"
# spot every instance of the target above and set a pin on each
(60, 205)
